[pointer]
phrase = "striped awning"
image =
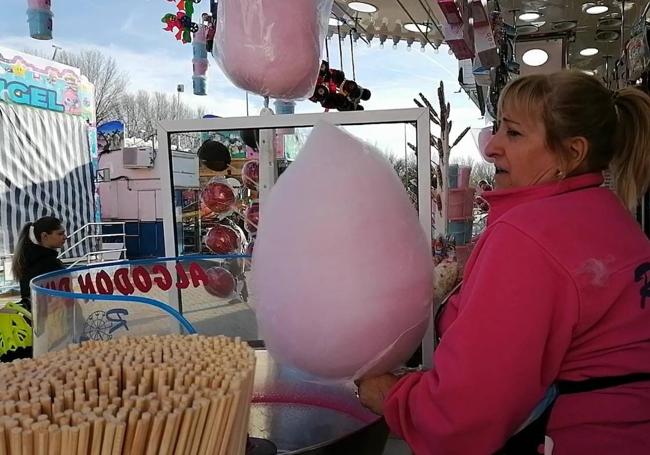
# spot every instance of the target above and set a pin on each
(45, 169)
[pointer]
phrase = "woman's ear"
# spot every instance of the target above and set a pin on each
(578, 149)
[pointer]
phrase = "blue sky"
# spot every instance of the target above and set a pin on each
(131, 32)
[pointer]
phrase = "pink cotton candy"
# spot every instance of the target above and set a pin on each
(271, 47)
(342, 270)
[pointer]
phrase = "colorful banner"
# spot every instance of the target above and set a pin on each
(33, 81)
(110, 136)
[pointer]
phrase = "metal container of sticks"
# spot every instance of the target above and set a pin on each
(303, 415)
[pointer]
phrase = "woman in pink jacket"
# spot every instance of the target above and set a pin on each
(546, 347)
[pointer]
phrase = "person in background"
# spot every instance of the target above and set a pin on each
(36, 253)
(546, 346)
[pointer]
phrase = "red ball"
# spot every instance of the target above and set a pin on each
(223, 240)
(252, 216)
(218, 197)
(221, 283)
(251, 174)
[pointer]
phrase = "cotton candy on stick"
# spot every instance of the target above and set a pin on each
(342, 271)
(271, 47)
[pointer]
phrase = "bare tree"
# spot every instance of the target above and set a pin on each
(103, 72)
(407, 171)
(140, 112)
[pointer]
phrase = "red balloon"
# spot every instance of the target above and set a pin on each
(251, 174)
(223, 240)
(252, 216)
(221, 283)
(218, 196)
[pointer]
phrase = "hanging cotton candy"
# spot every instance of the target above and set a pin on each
(271, 47)
(342, 269)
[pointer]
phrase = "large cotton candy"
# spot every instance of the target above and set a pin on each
(342, 270)
(271, 47)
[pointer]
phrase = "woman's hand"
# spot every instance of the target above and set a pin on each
(373, 391)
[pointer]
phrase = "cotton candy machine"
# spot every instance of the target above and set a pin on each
(293, 413)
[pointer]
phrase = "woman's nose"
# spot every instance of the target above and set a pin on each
(485, 140)
(492, 148)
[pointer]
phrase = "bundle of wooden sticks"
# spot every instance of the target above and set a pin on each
(150, 395)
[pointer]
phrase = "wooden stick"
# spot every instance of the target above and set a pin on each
(84, 438)
(3, 442)
(118, 443)
(134, 415)
(168, 437)
(28, 442)
(16, 441)
(225, 429)
(156, 433)
(65, 439)
(141, 433)
(74, 440)
(98, 434)
(54, 440)
(184, 432)
(41, 442)
(109, 437)
(200, 426)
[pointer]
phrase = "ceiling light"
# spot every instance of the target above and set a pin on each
(535, 57)
(416, 28)
(334, 22)
(362, 7)
(529, 16)
(588, 51)
(589, 72)
(596, 9)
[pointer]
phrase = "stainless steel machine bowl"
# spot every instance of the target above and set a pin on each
(301, 414)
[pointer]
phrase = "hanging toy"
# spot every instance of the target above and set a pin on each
(333, 91)
(200, 61)
(39, 17)
(181, 22)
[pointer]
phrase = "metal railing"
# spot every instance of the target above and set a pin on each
(95, 253)
(7, 281)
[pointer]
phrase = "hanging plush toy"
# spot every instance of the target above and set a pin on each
(333, 91)
(181, 21)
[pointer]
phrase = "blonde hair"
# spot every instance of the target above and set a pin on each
(615, 124)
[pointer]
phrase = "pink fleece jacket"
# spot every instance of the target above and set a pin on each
(549, 293)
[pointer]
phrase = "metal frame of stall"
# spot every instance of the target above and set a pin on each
(266, 123)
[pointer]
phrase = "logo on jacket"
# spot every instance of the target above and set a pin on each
(641, 273)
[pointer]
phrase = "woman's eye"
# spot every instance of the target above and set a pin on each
(513, 133)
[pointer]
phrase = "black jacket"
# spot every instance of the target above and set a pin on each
(38, 260)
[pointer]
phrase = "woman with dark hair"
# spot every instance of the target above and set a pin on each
(36, 253)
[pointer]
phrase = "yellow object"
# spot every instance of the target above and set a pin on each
(15, 331)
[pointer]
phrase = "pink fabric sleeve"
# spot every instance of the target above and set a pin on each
(449, 313)
(497, 358)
